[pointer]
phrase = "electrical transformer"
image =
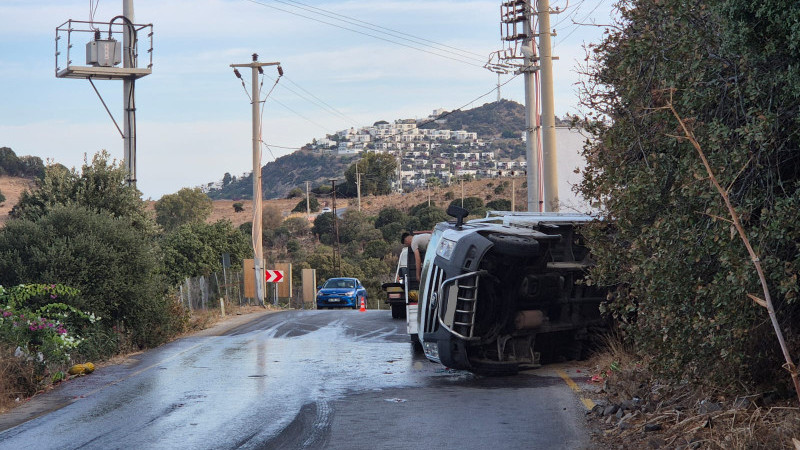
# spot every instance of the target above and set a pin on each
(103, 53)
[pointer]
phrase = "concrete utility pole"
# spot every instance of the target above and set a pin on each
(461, 180)
(531, 122)
(549, 157)
(128, 84)
(513, 194)
(308, 200)
(358, 187)
(336, 252)
(258, 246)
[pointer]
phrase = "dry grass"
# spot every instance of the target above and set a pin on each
(12, 188)
(17, 379)
(689, 417)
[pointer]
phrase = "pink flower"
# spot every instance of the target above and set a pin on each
(6, 313)
(53, 296)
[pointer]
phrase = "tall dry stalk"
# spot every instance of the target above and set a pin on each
(766, 302)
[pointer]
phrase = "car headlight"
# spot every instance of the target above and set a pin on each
(319, 293)
(349, 293)
(445, 248)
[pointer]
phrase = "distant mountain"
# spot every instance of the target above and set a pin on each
(489, 120)
(286, 173)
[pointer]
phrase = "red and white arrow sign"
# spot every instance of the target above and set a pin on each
(273, 276)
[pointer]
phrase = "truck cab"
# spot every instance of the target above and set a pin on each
(496, 294)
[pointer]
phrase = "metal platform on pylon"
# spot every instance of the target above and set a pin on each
(76, 32)
(103, 73)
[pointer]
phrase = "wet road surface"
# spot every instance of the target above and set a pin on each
(299, 379)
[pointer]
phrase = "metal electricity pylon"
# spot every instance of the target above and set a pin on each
(103, 54)
(521, 56)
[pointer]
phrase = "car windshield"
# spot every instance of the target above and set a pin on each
(338, 283)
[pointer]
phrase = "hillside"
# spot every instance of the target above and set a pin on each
(12, 188)
(502, 121)
(371, 205)
(488, 120)
(286, 173)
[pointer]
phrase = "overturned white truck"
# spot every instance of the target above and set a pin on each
(503, 293)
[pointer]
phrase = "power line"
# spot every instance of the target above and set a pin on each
(368, 34)
(374, 27)
(578, 24)
(318, 101)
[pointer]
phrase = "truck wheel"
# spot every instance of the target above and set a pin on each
(512, 245)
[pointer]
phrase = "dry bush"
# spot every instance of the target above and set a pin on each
(689, 416)
(18, 378)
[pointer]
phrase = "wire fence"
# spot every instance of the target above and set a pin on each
(205, 292)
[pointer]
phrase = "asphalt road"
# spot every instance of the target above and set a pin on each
(300, 379)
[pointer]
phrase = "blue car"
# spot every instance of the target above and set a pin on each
(341, 293)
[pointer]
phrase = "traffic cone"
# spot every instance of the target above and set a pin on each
(363, 306)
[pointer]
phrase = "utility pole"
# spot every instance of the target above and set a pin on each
(513, 194)
(258, 246)
(358, 187)
(129, 117)
(549, 157)
(461, 180)
(308, 200)
(336, 252)
(531, 122)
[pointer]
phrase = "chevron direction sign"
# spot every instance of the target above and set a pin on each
(273, 276)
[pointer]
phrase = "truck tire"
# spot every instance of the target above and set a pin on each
(398, 312)
(512, 245)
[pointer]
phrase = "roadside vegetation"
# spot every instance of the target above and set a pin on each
(684, 291)
(87, 273)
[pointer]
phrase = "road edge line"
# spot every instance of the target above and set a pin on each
(587, 402)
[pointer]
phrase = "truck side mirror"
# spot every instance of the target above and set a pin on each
(459, 213)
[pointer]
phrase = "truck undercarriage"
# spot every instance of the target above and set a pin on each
(497, 297)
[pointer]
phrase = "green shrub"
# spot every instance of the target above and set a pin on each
(112, 262)
(680, 279)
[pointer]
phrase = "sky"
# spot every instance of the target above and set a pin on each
(372, 60)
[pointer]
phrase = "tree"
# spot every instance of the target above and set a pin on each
(313, 205)
(378, 171)
(390, 215)
(295, 193)
(2, 197)
(226, 179)
(100, 186)
(185, 206)
(500, 204)
(196, 248)
(238, 207)
(323, 228)
(663, 247)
